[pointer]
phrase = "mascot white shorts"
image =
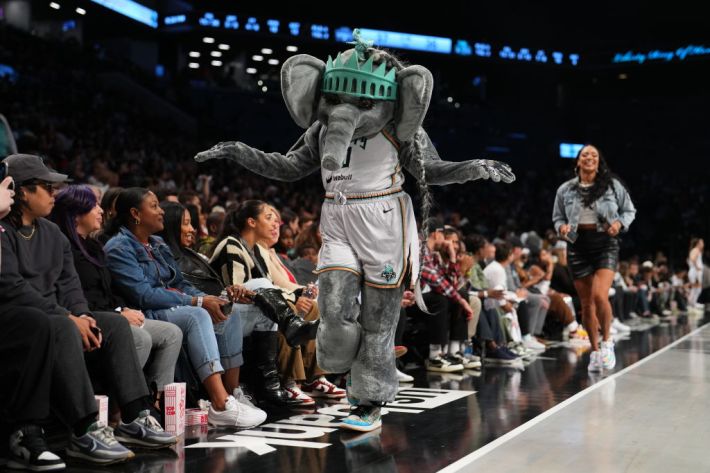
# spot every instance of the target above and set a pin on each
(373, 235)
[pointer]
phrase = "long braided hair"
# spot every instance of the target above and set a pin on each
(415, 145)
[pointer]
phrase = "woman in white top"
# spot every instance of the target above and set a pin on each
(695, 270)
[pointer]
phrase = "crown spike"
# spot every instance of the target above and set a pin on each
(329, 64)
(352, 62)
(338, 61)
(367, 67)
(390, 75)
(380, 71)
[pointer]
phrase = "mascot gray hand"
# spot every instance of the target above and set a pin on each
(219, 151)
(493, 170)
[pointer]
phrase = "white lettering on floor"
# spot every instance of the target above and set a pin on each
(293, 431)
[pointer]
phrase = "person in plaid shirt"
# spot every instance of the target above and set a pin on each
(440, 278)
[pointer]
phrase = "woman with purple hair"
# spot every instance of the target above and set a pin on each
(79, 215)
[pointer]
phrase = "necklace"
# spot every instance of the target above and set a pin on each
(28, 237)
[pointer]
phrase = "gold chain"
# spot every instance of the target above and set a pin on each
(32, 233)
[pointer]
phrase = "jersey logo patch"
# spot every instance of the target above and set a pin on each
(388, 273)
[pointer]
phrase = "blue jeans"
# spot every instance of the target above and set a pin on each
(208, 352)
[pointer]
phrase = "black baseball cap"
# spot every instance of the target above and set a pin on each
(28, 167)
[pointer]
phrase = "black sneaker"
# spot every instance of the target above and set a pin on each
(29, 451)
(442, 365)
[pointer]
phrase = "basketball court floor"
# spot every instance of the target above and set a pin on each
(651, 414)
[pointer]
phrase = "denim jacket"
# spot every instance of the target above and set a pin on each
(615, 204)
(150, 284)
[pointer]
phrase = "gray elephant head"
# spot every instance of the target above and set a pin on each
(356, 95)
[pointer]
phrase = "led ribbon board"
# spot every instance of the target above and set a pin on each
(132, 10)
(657, 55)
(416, 42)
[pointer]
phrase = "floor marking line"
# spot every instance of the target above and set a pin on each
(458, 465)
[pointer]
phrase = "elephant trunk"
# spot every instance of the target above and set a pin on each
(342, 122)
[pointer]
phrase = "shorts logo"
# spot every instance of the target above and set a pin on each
(388, 273)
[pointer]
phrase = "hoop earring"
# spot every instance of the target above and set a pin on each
(138, 222)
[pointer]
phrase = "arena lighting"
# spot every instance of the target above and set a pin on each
(216, 54)
(570, 150)
(216, 63)
(251, 70)
(264, 89)
(132, 10)
(292, 49)
(257, 58)
(55, 5)
(194, 54)
(274, 62)
(193, 65)
(80, 11)
(208, 40)
(223, 47)
(449, 99)
(260, 83)
(266, 51)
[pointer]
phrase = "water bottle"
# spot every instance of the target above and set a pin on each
(226, 310)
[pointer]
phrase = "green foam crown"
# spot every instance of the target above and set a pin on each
(357, 80)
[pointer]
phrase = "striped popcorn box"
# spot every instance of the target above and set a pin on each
(102, 406)
(175, 408)
(196, 417)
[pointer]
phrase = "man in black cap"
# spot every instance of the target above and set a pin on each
(37, 271)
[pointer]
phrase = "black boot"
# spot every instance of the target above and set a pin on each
(295, 330)
(266, 348)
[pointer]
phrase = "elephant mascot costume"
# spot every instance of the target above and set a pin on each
(363, 115)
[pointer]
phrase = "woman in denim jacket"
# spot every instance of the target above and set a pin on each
(144, 271)
(590, 211)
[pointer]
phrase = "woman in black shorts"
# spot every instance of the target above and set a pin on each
(590, 211)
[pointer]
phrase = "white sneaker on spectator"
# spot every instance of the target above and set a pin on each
(236, 414)
(294, 392)
(441, 365)
(468, 362)
(620, 326)
(404, 377)
(243, 398)
(530, 342)
(595, 362)
(608, 356)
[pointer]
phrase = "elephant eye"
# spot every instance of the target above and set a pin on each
(366, 104)
(332, 99)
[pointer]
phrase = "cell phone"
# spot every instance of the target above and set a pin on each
(571, 236)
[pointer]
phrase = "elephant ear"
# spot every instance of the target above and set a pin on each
(415, 88)
(300, 85)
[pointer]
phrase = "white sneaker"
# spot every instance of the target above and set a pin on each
(620, 326)
(530, 342)
(294, 392)
(243, 398)
(595, 362)
(236, 414)
(469, 362)
(608, 356)
(442, 365)
(404, 377)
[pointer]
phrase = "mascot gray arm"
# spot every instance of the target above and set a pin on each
(301, 160)
(420, 150)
